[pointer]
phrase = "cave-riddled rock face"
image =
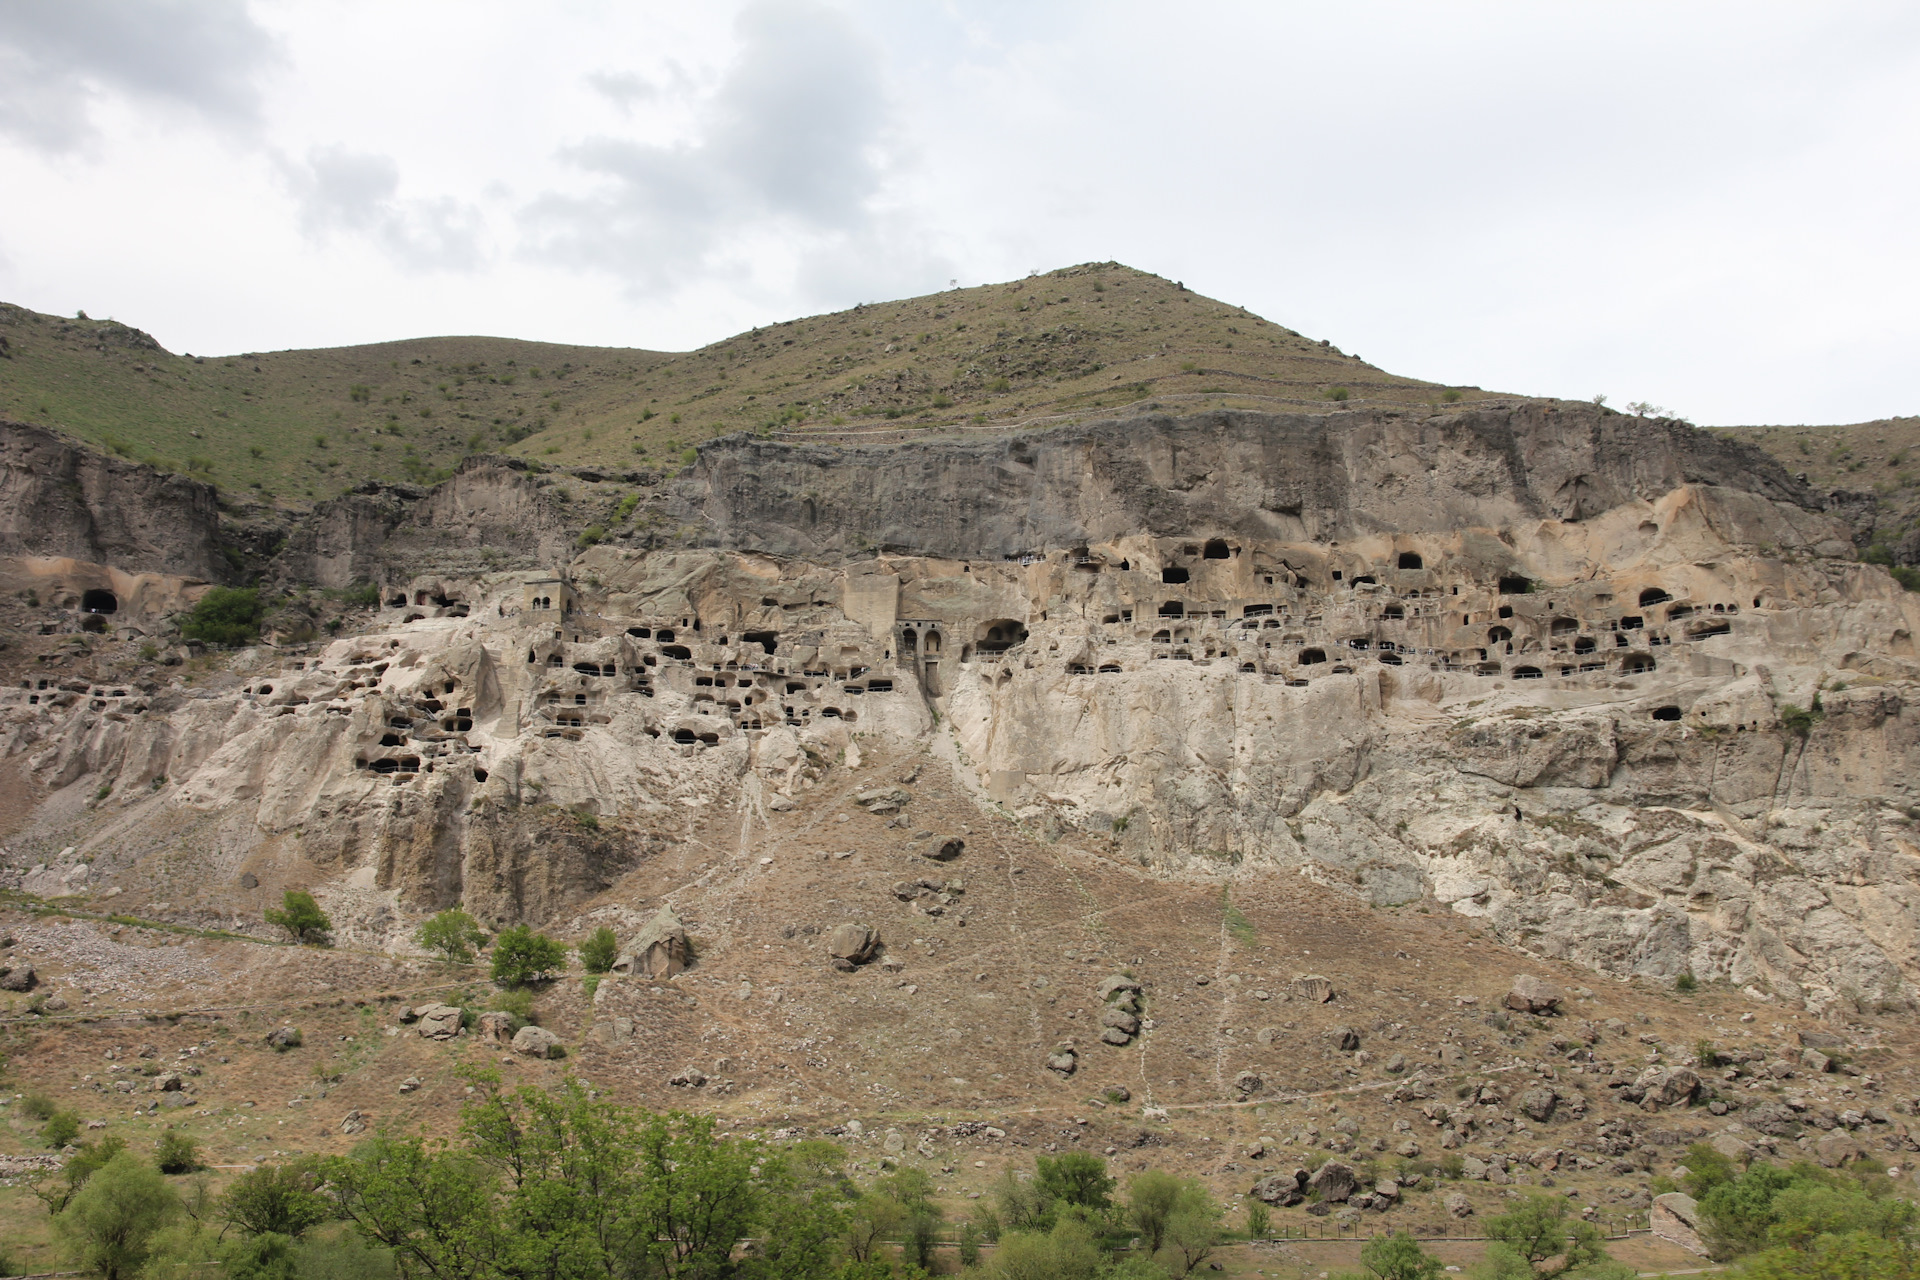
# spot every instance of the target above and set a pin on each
(1613, 687)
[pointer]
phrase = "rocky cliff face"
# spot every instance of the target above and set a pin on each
(1607, 685)
(60, 500)
(1286, 478)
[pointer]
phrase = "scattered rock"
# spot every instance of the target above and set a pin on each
(1535, 995)
(54, 1004)
(940, 848)
(1394, 1065)
(1282, 1190)
(169, 1082)
(1313, 987)
(852, 945)
(1063, 1062)
(410, 1085)
(1346, 1037)
(1334, 1181)
(1248, 1082)
(1538, 1103)
(284, 1038)
(1114, 984)
(438, 1021)
(1837, 1148)
(1118, 1018)
(493, 1028)
(1666, 1087)
(691, 1078)
(1816, 1061)
(353, 1122)
(1116, 1037)
(661, 949)
(1458, 1205)
(249, 881)
(16, 977)
(536, 1042)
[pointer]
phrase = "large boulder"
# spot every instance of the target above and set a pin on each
(1534, 995)
(1313, 987)
(536, 1042)
(1116, 1017)
(938, 847)
(661, 950)
(1114, 984)
(1538, 1103)
(1346, 1037)
(1675, 1218)
(283, 1038)
(437, 1021)
(1667, 1087)
(852, 945)
(16, 977)
(1282, 1190)
(1334, 1181)
(494, 1028)
(1063, 1062)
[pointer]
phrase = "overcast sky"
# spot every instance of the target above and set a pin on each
(1709, 206)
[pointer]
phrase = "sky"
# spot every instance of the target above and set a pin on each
(1710, 207)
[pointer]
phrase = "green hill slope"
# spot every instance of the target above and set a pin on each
(293, 426)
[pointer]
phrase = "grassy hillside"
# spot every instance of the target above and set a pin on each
(299, 425)
(1881, 458)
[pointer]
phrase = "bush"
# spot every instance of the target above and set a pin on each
(61, 1130)
(1686, 982)
(516, 1003)
(300, 916)
(109, 1225)
(599, 952)
(453, 933)
(1399, 1257)
(275, 1199)
(1259, 1220)
(225, 616)
(361, 595)
(176, 1153)
(1338, 393)
(521, 956)
(38, 1106)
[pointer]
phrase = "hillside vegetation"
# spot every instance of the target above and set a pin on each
(299, 425)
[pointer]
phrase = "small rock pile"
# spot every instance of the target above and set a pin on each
(1120, 1014)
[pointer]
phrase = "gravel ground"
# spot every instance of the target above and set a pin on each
(86, 961)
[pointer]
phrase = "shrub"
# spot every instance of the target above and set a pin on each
(516, 1003)
(361, 595)
(38, 1106)
(61, 1130)
(1450, 395)
(1259, 1220)
(1399, 1257)
(452, 933)
(176, 1153)
(300, 916)
(590, 536)
(521, 956)
(225, 616)
(599, 952)
(1797, 720)
(1338, 393)
(110, 1223)
(1686, 982)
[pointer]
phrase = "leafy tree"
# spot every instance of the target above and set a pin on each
(300, 916)
(1193, 1229)
(870, 1221)
(62, 1129)
(175, 1152)
(1399, 1257)
(1259, 1220)
(1024, 1207)
(521, 956)
(600, 950)
(1738, 1214)
(109, 1224)
(73, 1175)
(275, 1200)
(1076, 1178)
(1540, 1230)
(1707, 1168)
(1150, 1202)
(434, 1210)
(453, 933)
(1067, 1252)
(225, 616)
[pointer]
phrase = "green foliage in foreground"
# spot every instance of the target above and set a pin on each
(521, 957)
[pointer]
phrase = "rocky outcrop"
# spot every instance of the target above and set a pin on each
(61, 500)
(1321, 478)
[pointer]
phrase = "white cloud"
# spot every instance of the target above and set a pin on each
(58, 58)
(346, 191)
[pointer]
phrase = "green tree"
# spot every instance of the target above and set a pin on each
(1067, 1252)
(1024, 1207)
(453, 933)
(870, 1221)
(1193, 1229)
(1739, 1214)
(1259, 1220)
(300, 916)
(110, 1222)
(58, 1190)
(61, 1129)
(175, 1152)
(1151, 1198)
(1399, 1257)
(1075, 1178)
(432, 1209)
(521, 956)
(1540, 1230)
(225, 616)
(275, 1199)
(600, 950)
(1707, 1168)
